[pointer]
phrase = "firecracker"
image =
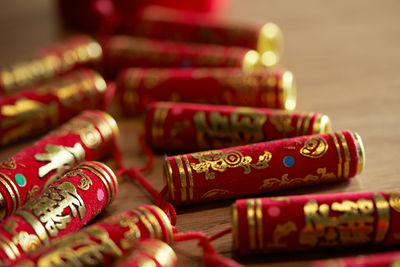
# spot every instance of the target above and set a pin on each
(263, 167)
(63, 208)
(88, 136)
(184, 127)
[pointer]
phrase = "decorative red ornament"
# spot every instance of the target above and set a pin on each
(185, 26)
(78, 51)
(150, 252)
(386, 259)
(105, 242)
(65, 207)
(39, 109)
(123, 51)
(263, 167)
(298, 223)
(137, 87)
(192, 127)
(89, 136)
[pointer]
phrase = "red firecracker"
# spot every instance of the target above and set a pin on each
(385, 259)
(298, 223)
(172, 24)
(78, 51)
(39, 109)
(89, 136)
(186, 127)
(266, 88)
(103, 243)
(65, 207)
(263, 167)
(149, 252)
(123, 51)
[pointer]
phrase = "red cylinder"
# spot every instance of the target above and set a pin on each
(185, 26)
(39, 109)
(149, 252)
(88, 136)
(63, 208)
(193, 127)
(263, 167)
(123, 51)
(78, 51)
(101, 244)
(385, 259)
(265, 88)
(299, 223)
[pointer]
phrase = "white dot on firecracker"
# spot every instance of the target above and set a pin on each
(100, 194)
(274, 211)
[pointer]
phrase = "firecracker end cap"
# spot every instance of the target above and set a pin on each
(159, 251)
(269, 44)
(322, 124)
(288, 87)
(360, 151)
(251, 61)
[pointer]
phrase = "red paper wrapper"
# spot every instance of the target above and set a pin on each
(387, 259)
(172, 24)
(263, 167)
(88, 136)
(298, 223)
(72, 53)
(123, 51)
(150, 252)
(101, 244)
(39, 109)
(192, 127)
(138, 87)
(65, 207)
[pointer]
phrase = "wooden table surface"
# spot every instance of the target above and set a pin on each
(345, 56)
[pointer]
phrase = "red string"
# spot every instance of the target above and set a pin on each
(148, 153)
(220, 234)
(210, 256)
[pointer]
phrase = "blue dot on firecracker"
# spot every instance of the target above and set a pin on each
(288, 161)
(20, 179)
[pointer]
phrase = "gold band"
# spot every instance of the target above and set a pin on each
(189, 170)
(36, 225)
(164, 219)
(360, 151)
(145, 222)
(235, 236)
(287, 92)
(339, 172)
(383, 210)
(182, 176)
(7, 250)
(159, 251)
(153, 221)
(111, 180)
(346, 168)
(269, 44)
(251, 222)
(101, 177)
(259, 223)
(168, 178)
(306, 122)
(10, 192)
(322, 124)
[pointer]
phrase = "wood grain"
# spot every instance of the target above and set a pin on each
(345, 56)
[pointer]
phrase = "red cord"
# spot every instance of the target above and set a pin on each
(220, 234)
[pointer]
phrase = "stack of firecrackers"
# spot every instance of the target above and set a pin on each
(213, 99)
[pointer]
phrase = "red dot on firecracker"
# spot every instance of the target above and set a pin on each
(274, 211)
(100, 194)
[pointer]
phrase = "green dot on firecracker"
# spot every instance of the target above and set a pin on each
(20, 179)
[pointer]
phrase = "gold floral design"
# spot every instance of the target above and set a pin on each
(314, 147)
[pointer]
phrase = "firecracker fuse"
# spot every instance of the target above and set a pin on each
(173, 126)
(63, 208)
(185, 26)
(103, 243)
(88, 136)
(263, 167)
(44, 107)
(72, 53)
(300, 223)
(137, 87)
(124, 51)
